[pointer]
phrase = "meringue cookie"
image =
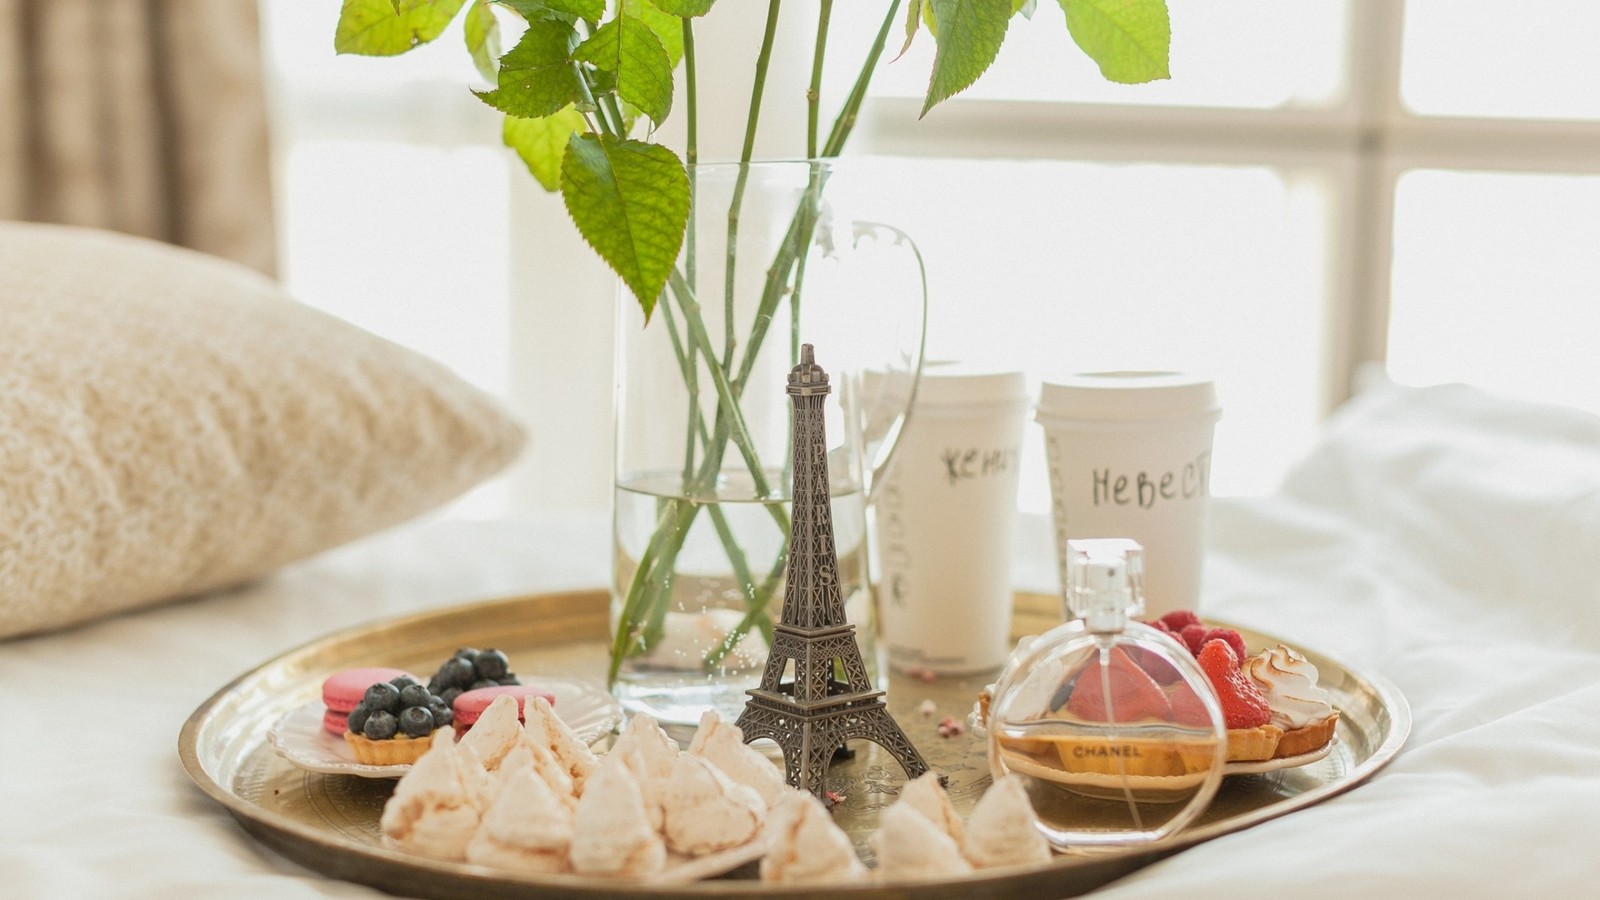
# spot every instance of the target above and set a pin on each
(614, 836)
(910, 846)
(649, 752)
(546, 729)
(927, 796)
(722, 745)
(1001, 830)
(1289, 682)
(436, 807)
(537, 759)
(497, 730)
(804, 846)
(527, 829)
(705, 811)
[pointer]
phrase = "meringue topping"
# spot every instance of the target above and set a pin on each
(1001, 830)
(910, 846)
(927, 796)
(614, 833)
(547, 730)
(722, 744)
(498, 729)
(527, 829)
(649, 752)
(436, 807)
(1289, 682)
(705, 811)
(804, 846)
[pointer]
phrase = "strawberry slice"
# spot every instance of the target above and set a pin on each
(1243, 706)
(1134, 694)
(1187, 708)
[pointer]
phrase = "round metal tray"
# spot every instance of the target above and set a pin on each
(329, 822)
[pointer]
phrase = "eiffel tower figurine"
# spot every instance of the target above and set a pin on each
(813, 715)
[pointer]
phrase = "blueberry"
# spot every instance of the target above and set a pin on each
(416, 721)
(434, 687)
(442, 716)
(380, 726)
(482, 683)
(414, 695)
(456, 673)
(382, 696)
(508, 679)
(400, 681)
(493, 664)
(449, 695)
(470, 654)
(358, 717)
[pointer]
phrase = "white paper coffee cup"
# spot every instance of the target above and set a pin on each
(1130, 456)
(946, 518)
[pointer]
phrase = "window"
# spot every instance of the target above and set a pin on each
(1322, 184)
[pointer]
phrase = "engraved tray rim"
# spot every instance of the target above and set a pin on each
(333, 855)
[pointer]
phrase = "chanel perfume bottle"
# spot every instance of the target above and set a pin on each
(1112, 726)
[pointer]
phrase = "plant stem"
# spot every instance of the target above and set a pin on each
(846, 122)
(692, 157)
(763, 59)
(814, 93)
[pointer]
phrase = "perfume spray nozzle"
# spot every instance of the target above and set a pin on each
(1105, 583)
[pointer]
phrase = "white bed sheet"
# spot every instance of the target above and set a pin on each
(1445, 539)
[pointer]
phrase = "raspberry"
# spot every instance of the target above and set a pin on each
(1179, 619)
(1194, 636)
(1134, 694)
(1161, 626)
(1234, 639)
(1242, 703)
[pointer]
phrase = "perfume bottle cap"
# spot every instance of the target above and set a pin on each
(1105, 583)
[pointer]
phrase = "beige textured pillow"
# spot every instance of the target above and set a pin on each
(172, 423)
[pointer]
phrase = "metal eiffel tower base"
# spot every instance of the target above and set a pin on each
(812, 715)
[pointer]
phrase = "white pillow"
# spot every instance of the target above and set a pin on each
(172, 423)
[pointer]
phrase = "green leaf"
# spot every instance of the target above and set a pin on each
(969, 33)
(588, 10)
(1026, 7)
(568, 11)
(925, 7)
(684, 9)
(482, 32)
(1129, 39)
(630, 201)
(388, 28)
(542, 142)
(537, 77)
(629, 48)
(913, 19)
(668, 28)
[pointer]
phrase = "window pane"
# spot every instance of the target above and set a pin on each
(1257, 54)
(1533, 59)
(1495, 283)
(1067, 266)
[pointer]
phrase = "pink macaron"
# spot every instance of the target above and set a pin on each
(343, 690)
(469, 705)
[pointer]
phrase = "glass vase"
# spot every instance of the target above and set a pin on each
(702, 491)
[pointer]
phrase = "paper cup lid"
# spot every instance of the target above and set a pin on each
(955, 383)
(1127, 396)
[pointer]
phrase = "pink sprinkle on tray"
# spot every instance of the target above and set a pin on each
(949, 727)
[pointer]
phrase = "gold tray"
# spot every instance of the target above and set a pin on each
(329, 822)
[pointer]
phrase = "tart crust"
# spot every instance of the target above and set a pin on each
(1304, 740)
(1253, 744)
(398, 751)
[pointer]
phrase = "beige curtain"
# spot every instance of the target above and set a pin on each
(143, 116)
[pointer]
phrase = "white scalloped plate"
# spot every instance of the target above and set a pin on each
(298, 735)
